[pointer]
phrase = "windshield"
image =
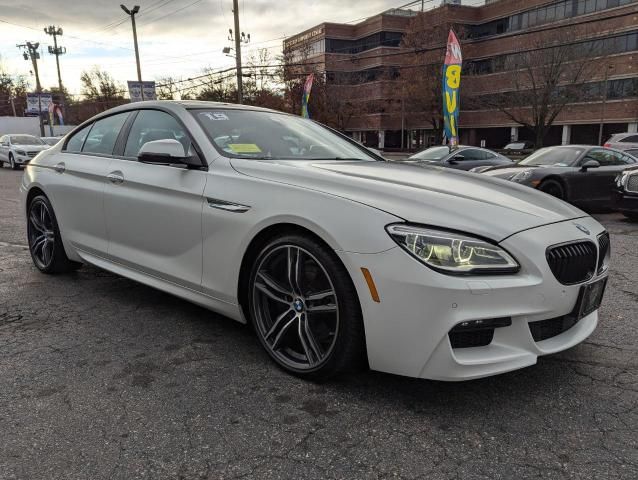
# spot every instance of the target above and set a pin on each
(557, 157)
(275, 136)
(25, 140)
(433, 153)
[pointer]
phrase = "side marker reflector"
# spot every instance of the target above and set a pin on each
(373, 288)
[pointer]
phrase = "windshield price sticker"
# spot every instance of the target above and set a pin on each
(215, 116)
(244, 148)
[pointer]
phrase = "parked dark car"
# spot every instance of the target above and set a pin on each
(461, 158)
(625, 194)
(579, 174)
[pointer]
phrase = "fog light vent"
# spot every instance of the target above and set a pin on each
(476, 333)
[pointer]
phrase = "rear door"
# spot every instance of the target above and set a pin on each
(76, 183)
(154, 212)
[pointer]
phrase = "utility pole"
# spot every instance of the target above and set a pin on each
(57, 51)
(132, 14)
(238, 41)
(31, 53)
(602, 110)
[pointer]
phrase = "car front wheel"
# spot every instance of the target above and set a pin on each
(554, 188)
(12, 162)
(305, 308)
(45, 242)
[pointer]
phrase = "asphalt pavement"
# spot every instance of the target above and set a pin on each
(104, 378)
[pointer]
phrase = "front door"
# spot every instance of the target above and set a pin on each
(154, 212)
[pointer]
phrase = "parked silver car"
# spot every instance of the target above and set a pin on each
(17, 150)
(623, 141)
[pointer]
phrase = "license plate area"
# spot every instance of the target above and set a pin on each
(589, 298)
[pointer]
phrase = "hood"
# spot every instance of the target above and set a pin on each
(436, 196)
(31, 148)
(505, 172)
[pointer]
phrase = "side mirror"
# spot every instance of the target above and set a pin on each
(165, 152)
(591, 163)
(456, 159)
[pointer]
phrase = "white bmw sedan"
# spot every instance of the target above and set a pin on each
(338, 258)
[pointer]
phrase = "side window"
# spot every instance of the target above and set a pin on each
(606, 158)
(3, 139)
(630, 139)
(74, 144)
(628, 159)
(472, 154)
(103, 135)
(488, 155)
(150, 125)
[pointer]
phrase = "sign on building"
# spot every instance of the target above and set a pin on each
(139, 91)
(32, 103)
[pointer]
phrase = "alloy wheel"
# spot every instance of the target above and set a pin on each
(295, 307)
(41, 233)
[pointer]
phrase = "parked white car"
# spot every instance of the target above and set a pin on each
(336, 256)
(17, 150)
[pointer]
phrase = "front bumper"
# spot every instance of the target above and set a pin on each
(407, 331)
(625, 202)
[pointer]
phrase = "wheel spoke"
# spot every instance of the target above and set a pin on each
(308, 343)
(331, 307)
(38, 243)
(294, 270)
(272, 289)
(46, 252)
(36, 222)
(315, 297)
(278, 323)
(282, 331)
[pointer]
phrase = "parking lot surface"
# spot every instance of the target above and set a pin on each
(104, 378)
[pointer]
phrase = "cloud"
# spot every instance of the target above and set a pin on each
(176, 37)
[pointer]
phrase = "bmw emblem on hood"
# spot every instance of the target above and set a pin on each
(583, 229)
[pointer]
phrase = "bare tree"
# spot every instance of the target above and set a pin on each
(543, 80)
(100, 89)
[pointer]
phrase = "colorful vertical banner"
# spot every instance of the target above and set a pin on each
(306, 95)
(451, 88)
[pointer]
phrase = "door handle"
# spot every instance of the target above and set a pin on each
(60, 167)
(115, 177)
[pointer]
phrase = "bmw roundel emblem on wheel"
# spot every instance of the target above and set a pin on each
(338, 258)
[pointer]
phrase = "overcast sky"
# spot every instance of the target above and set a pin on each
(177, 37)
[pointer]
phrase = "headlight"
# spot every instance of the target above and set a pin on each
(621, 179)
(452, 253)
(21, 152)
(521, 176)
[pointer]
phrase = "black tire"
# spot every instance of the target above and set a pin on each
(12, 163)
(43, 235)
(553, 188)
(321, 271)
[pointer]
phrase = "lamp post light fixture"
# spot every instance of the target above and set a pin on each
(132, 12)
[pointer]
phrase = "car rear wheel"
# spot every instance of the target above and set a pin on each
(305, 309)
(45, 243)
(12, 162)
(554, 188)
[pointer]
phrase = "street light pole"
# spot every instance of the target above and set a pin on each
(602, 110)
(132, 13)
